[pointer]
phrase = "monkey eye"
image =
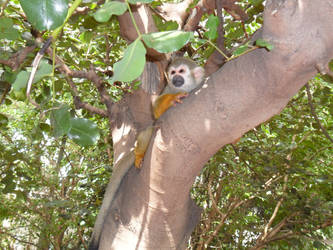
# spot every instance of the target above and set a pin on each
(173, 72)
(181, 71)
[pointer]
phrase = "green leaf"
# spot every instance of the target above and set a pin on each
(330, 109)
(211, 25)
(318, 245)
(136, 85)
(132, 64)
(3, 120)
(58, 85)
(240, 50)
(58, 203)
(45, 14)
(61, 120)
(7, 30)
(167, 41)
(83, 132)
(21, 80)
(86, 36)
(19, 95)
(256, 2)
(264, 44)
(110, 8)
(45, 127)
(9, 183)
(165, 26)
(44, 69)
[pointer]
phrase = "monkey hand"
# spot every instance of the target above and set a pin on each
(179, 97)
(141, 145)
(164, 102)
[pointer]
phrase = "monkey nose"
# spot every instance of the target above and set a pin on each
(177, 80)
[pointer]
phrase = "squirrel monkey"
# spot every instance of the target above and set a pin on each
(183, 76)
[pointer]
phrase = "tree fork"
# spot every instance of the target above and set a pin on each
(152, 208)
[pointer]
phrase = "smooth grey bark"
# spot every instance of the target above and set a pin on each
(152, 208)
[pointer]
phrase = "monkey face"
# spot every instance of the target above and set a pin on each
(178, 75)
(184, 75)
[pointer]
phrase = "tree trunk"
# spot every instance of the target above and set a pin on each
(152, 208)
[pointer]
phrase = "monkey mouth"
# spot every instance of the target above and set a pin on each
(177, 81)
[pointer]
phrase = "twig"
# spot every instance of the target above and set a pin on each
(212, 199)
(35, 64)
(90, 108)
(17, 239)
(195, 16)
(262, 240)
(61, 151)
(232, 207)
(105, 98)
(272, 217)
(5, 92)
(319, 150)
(90, 75)
(107, 49)
(3, 7)
(313, 111)
(220, 31)
(18, 58)
(84, 105)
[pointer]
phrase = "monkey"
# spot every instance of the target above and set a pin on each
(183, 76)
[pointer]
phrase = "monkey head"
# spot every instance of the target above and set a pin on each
(184, 75)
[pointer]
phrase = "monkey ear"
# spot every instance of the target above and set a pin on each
(199, 74)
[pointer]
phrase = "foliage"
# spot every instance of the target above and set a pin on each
(45, 14)
(284, 165)
(55, 160)
(50, 189)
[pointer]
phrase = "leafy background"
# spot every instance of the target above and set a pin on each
(55, 164)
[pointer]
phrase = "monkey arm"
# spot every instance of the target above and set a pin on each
(165, 101)
(162, 104)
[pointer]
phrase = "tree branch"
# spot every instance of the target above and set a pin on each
(91, 76)
(17, 239)
(313, 111)
(279, 203)
(230, 104)
(18, 58)
(5, 91)
(216, 60)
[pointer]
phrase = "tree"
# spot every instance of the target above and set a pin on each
(152, 207)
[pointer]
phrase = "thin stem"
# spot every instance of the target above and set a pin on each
(245, 52)
(232, 57)
(314, 114)
(75, 4)
(53, 67)
(219, 50)
(133, 20)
